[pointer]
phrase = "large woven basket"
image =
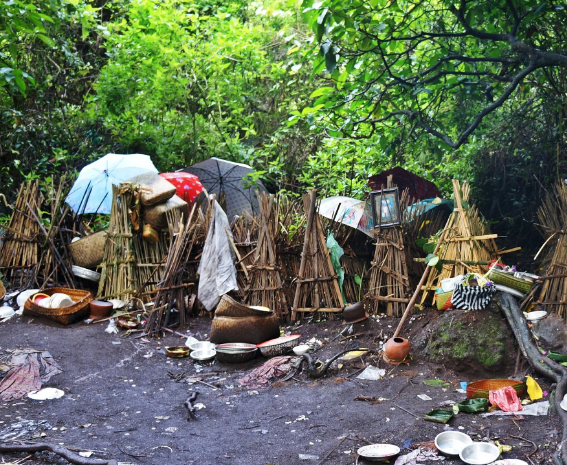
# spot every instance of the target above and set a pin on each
(230, 307)
(157, 214)
(443, 300)
(88, 252)
(65, 315)
(506, 279)
(154, 189)
(480, 389)
(2, 290)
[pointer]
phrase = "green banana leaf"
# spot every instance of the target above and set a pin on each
(439, 416)
(557, 356)
(473, 405)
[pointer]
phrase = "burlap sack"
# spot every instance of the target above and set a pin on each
(154, 190)
(156, 215)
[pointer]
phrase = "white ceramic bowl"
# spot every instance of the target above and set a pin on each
(378, 452)
(452, 442)
(480, 453)
(300, 350)
(202, 345)
(203, 355)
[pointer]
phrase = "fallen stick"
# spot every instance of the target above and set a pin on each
(407, 411)
(56, 449)
(332, 450)
(189, 405)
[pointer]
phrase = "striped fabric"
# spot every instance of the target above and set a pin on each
(472, 297)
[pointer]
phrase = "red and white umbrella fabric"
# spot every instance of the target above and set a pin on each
(188, 185)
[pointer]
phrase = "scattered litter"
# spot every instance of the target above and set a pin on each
(506, 398)
(46, 394)
(23, 428)
(301, 418)
(6, 312)
(537, 409)
(421, 454)
(21, 300)
(30, 369)
(534, 391)
(464, 385)
(308, 457)
(162, 418)
(86, 454)
(199, 406)
(253, 393)
(370, 399)
(111, 328)
(372, 373)
(191, 340)
(116, 343)
(171, 429)
(424, 397)
(274, 368)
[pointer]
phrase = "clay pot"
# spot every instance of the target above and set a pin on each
(396, 350)
(354, 313)
(100, 309)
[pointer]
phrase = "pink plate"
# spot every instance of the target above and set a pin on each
(279, 340)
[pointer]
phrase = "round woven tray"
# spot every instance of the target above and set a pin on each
(65, 315)
(480, 389)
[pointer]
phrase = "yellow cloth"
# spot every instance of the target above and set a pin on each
(534, 391)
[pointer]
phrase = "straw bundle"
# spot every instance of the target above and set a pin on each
(552, 217)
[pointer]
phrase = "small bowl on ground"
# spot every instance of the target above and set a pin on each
(126, 322)
(100, 309)
(177, 351)
(279, 346)
(378, 452)
(235, 356)
(201, 345)
(452, 442)
(300, 350)
(479, 453)
(236, 347)
(203, 355)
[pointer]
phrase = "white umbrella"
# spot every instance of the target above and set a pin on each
(92, 191)
(353, 212)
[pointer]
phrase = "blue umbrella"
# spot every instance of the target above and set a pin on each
(221, 176)
(92, 191)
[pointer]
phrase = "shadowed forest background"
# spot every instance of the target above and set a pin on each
(309, 94)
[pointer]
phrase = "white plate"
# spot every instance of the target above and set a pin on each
(537, 315)
(378, 452)
(46, 394)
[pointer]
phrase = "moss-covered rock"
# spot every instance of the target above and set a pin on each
(471, 341)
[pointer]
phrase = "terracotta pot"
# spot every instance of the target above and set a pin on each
(354, 313)
(396, 350)
(100, 309)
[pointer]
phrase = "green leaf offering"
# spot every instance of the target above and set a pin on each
(557, 356)
(473, 405)
(436, 383)
(439, 416)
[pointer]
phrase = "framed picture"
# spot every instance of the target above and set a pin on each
(385, 208)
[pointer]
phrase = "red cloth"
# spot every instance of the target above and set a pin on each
(419, 188)
(506, 398)
(188, 185)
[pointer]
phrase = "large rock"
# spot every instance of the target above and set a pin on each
(551, 333)
(472, 342)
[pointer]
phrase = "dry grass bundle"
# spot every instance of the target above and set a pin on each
(150, 260)
(20, 252)
(467, 239)
(552, 217)
(317, 287)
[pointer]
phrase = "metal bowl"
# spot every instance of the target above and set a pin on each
(203, 355)
(85, 273)
(236, 347)
(279, 346)
(452, 442)
(480, 453)
(201, 345)
(233, 356)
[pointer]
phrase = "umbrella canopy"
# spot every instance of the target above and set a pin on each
(188, 185)
(419, 188)
(353, 212)
(92, 191)
(221, 176)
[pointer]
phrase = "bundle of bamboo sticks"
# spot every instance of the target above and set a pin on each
(552, 217)
(467, 243)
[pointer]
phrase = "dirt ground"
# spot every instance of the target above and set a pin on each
(122, 402)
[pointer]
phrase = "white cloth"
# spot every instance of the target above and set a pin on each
(448, 284)
(217, 273)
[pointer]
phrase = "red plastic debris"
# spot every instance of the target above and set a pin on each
(506, 399)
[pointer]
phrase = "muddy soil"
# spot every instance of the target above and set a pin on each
(123, 402)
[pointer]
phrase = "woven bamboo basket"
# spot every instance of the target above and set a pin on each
(480, 389)
(155, 189)
(88, 252)
(499, 277)
(2, 290)
(157, 214)
(230, 307)
(443, 300)
(65, 315)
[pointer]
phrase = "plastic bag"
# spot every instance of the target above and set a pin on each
(534, 391)
(505, 398)
(336, 252)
